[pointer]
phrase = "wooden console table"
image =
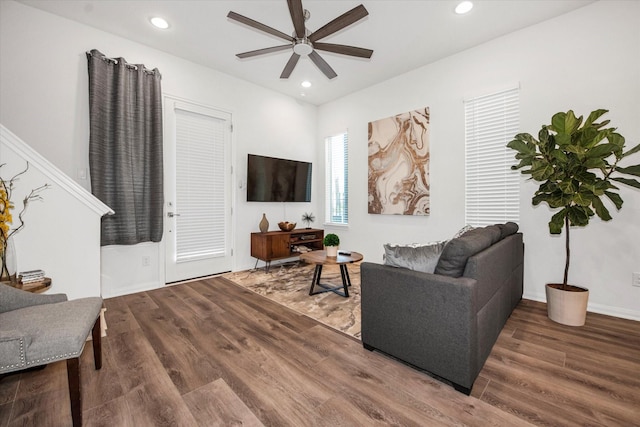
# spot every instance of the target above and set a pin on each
(274, 245)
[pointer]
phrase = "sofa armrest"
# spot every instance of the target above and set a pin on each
(14, 299)
(424, 319)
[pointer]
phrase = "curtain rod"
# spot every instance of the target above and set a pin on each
(115, 61)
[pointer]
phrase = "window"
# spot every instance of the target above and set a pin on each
(200, 185)
(336, 179)
(492, 192)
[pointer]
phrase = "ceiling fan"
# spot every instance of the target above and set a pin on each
(306, 43)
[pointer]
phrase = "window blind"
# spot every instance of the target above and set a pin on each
(200, 154)
(492, 192)
(337, 178)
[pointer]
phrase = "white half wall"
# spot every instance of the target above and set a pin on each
(61, 233)
(584, 60)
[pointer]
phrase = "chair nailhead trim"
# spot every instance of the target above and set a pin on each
(21, 364)
(52, 358)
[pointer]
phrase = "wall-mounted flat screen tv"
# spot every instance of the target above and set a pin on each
(270, 179)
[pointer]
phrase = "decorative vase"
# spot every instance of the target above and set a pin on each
(332, 251)
(264, 224)
(8, 263)
(567, 307)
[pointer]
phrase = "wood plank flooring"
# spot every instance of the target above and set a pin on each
(210, 353)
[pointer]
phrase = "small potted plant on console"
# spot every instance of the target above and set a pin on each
(331, 242)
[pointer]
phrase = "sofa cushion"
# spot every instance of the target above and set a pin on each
(418, 257)
(456, 252)
(507, 229)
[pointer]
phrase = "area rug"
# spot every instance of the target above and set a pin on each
(288, 284)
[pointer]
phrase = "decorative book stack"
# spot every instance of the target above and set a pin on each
(32, 276)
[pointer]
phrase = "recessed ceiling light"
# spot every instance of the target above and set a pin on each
(464, 7)
(306, 83)
(159, 22)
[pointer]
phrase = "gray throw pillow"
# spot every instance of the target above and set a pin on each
(418, 257)
(507, 229)
(457, 251)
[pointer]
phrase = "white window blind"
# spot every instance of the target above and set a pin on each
(492, 192)
(337, 178)
(200, 154)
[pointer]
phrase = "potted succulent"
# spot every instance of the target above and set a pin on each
(331, 242)
(577, 164)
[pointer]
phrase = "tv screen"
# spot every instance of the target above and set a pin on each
(270, 179)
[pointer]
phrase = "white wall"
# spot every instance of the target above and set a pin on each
(44, 100)
(61, 233)
(583, 60)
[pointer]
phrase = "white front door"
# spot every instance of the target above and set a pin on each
(197, 191)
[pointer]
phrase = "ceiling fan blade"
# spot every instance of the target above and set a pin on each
(291, 64)
(322, 64)
(344, 20)
(259, 26)
(297, 16)
(344, 49)
(263, 51)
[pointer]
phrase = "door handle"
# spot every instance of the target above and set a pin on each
(171, 214)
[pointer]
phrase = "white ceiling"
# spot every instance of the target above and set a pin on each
(404, 35)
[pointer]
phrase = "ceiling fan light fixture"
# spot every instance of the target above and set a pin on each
(305, 83)
(302, 47)
(464, 7)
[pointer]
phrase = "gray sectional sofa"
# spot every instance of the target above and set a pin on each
(446, 322)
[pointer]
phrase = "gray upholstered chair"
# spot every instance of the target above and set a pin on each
(38, 329)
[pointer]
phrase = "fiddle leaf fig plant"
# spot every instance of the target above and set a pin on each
(577, 163)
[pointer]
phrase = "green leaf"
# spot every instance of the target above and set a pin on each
(632, 151)
(595, 163)
(565, 123)
(521, 146)
(567, 187)
(582, 198)
(586, 177)
(557, 222)
(630, 182)
(617, 140)
(541, 170)
(601, 151)
(579, 215)
(563, 140)
(615, 198)
(631, 170)
(595, 115)
(559, 155)
(601, 210)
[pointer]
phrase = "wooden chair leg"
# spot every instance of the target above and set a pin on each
(73, 374)
(96, 335)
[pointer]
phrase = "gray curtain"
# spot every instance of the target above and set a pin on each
(125, 148)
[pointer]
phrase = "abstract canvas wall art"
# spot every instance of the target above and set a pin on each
(399, 164)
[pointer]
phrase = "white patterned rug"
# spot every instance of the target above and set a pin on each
(288, 284)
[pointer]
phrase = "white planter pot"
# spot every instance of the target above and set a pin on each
(332, 251)
(567, 307)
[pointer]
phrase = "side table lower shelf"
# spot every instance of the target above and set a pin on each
(33, 287)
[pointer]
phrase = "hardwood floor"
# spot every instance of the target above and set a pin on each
(210, 353)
